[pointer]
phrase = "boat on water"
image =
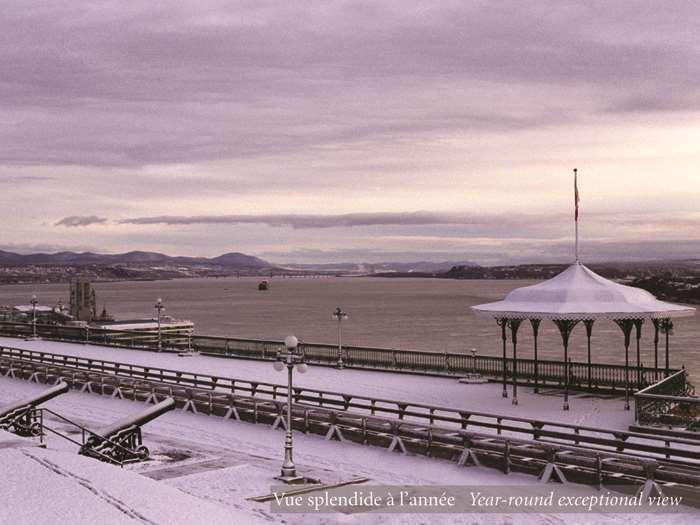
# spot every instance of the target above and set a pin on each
(263, 285)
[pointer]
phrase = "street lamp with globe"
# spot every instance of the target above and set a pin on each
(291, 360)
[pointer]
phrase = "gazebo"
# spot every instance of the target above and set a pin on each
(579, 295)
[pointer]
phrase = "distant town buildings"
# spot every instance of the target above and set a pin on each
(83, 313)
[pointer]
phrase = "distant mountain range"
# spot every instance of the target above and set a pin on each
(232, 260)
(383, 267)
(229, 260)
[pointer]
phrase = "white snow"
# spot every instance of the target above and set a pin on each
(222, 463)
(52, 487)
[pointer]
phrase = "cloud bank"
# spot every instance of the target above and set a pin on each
(75, 221)
(200, 127)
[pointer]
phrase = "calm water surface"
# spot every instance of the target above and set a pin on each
(418, 314)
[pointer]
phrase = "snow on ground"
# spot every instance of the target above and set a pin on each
(586, 409)
(223, 462)
(50, 487)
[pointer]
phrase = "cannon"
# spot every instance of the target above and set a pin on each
(20, 417)
(121, 442)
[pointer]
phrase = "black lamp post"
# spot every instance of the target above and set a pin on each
(340, 316)
(34, 302)
(159, 308)
(289, 359)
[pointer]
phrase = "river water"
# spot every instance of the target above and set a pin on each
(415, 314)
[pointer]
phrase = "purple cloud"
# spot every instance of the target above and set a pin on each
(347, 220)
(75, 221)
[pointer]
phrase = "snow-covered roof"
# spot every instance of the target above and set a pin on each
(579, 293)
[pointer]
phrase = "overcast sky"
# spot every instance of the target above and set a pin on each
(360, 131)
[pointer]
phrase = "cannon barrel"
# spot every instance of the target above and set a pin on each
(57, 390)
(137, 420)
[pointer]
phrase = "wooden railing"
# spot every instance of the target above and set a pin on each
(586, 454)
(668, 402)
(582, 376)
(416, 413)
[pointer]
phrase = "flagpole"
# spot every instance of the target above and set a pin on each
(576, 213)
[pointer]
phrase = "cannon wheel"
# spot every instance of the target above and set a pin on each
(143, 453)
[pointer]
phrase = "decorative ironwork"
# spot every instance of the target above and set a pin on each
(667, 329)
(503, 323)
(588, 323)
(638, 323)
(566, 326)
(514, 324)
(626, 326)
(657, 323)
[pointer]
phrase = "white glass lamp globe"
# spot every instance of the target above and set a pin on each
(291, 342)
(302, 368)
(278, 365)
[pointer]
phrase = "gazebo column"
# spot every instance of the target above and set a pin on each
(626, 327)
(566, 326)
(535, 333)
(666, 327)
(638, 327)
(657, 323)
(503, 323)
(588, 323)
(514, 324)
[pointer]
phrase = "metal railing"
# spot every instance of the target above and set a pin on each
(582, 376)
(549, 372)
(37, 415)
(668, 402)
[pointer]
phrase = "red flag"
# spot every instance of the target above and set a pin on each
(576, 199)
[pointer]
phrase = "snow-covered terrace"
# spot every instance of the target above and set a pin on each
(586, 409)
(203, 466)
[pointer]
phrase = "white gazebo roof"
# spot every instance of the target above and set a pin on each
(578, 293)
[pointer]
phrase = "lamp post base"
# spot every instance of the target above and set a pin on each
(296, 480)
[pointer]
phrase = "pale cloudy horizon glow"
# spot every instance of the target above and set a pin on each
(359, 131)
